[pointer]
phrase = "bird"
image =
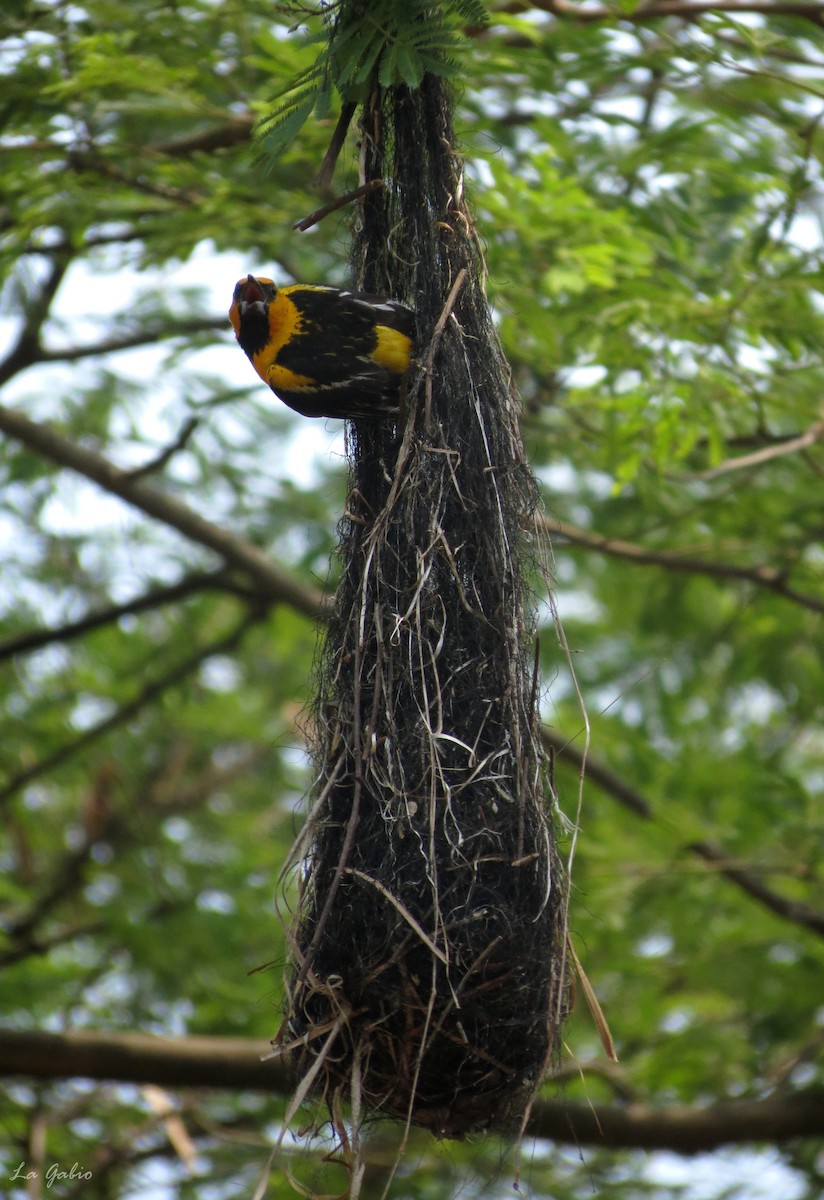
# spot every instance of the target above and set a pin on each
(325, 351)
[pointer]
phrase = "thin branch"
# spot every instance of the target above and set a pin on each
(217, 137)
(49, 249)
(330, 158)
(68, 875)
(166, 794)
(27, 349)
(674, 560)
(162, 460)
(598, 772)
(125, 712)
(318, 215)
(789, 910)
(273, 583)
(767, 454)
(796, 912)
(235, 1063)
(154, 598)
(64, 881)
(34, 947)
(570, 1069)
(86, 162)
(687, 10)
(130, 341)
(651, 94)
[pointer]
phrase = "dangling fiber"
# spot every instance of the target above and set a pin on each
(429, 982)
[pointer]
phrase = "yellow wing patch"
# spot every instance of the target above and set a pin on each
(393, 349)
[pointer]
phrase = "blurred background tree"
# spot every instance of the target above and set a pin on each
(647, 181)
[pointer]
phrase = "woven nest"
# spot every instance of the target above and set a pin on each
(428, 980)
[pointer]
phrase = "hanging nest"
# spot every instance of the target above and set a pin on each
(429, 980)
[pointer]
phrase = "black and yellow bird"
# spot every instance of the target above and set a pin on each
(325, 351)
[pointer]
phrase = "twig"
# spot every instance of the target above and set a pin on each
(161, 460)
(437, 334)
(673, 560)
(81, 162)
(27, 349)
(166, 794)
(790, 910)
(33, 947)
(402, 909)
(274, 584)
(66, 877)
(154, 598)
(767, 453)
(687, 10)
(330, 158)
(131, 341)
(145, 696)
(319, 213)
(219, 137)
(598, 773)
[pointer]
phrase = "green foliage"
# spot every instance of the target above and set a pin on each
(365, 43)
(648, 194)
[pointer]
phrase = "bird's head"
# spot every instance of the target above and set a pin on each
(252, 295)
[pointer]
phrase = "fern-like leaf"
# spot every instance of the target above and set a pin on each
(390, 42)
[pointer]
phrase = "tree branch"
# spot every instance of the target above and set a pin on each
(162, 460)
(767, 454)
(32, 947)
(146, 337)
(193, 584)
(687, 10)
(597, 772)
(27, 349)
(673, 560)
(166, 794)
(146, 695)
(217, 137)
(682, 1129)
(789, 910)
(142, 1058)
(274, 584)
(88, 162)
(235, 1063)
(793, 911)
(64, 882)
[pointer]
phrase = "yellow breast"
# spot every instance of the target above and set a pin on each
(285, 322)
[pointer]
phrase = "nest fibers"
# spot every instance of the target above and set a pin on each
(429, 949)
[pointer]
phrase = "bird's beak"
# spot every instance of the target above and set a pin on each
(253, 292)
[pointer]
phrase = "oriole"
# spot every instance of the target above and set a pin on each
(324, 351)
